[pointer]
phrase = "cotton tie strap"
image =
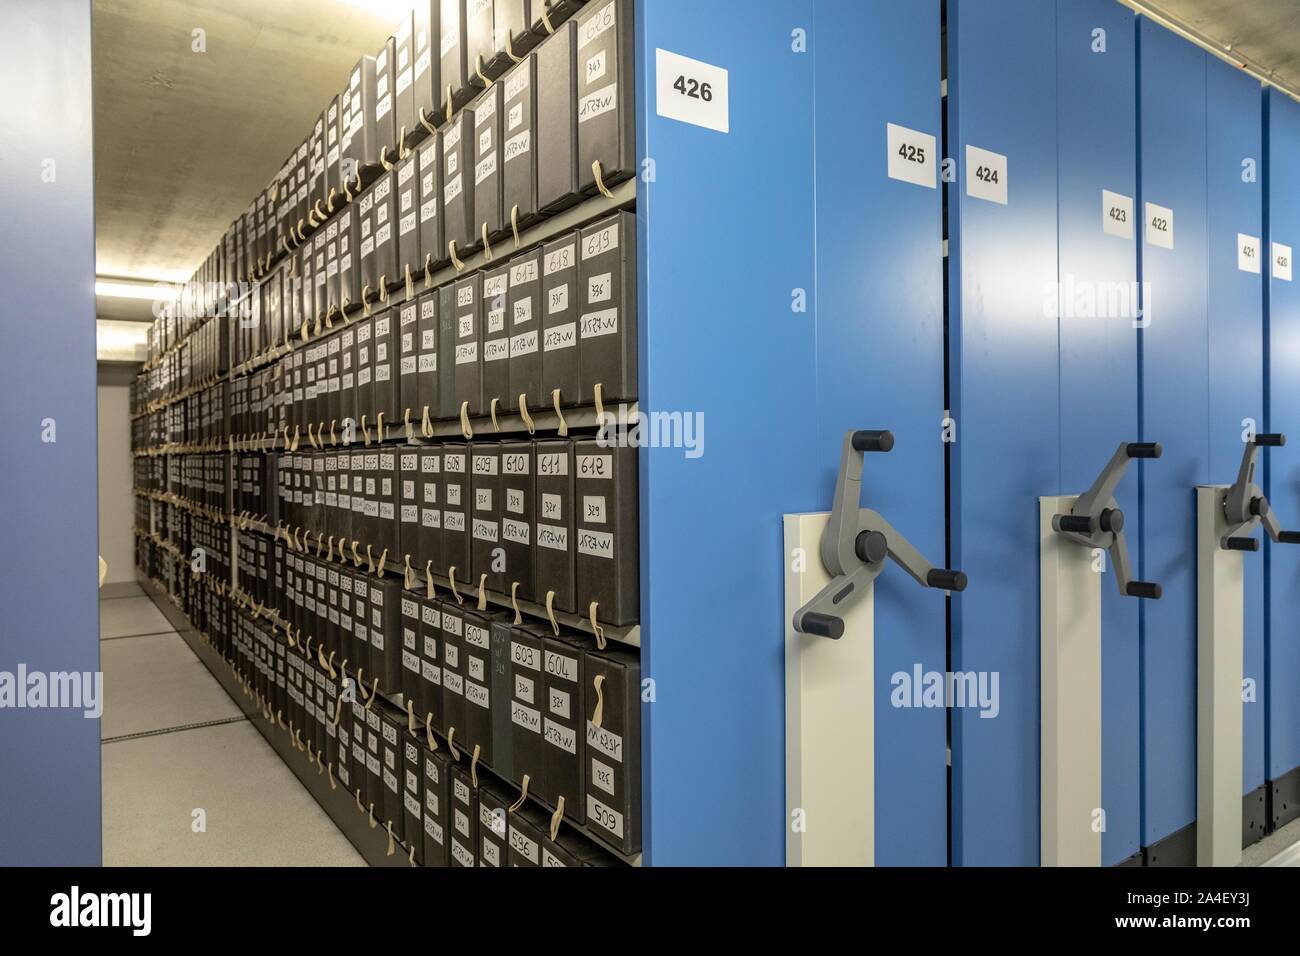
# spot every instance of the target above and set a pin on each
(523, 413)
(383, 561)
(473, 767)
(487, 246)
(451, 743)
(365, 429)
(333, 785)
(514, 223)
(365, 299)
(451, 576)
(410, 282)
(546, 17)
(599, 714)
(410, 719)
(428, 270)
(493, 409)
(514, 602)
(510, 47)
(426, 426)
(523, 795)
(465, 428)
(556, 818)
(482, 591)
(370, 559)
(448, 102)
(563, 430)
(478, 68)
(428, 578)
(600, 183)
(356, 558)
(597, 395)
(550, 612)
(455, 260)
(409, 573)
(428, 732)
(424, 121)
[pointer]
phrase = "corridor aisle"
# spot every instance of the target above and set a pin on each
(187, 780)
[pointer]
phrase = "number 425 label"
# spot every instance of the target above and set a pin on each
(691, 91)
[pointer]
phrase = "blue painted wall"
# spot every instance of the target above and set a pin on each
(1282, 117)
(49, 758)
(1236, 340)
(1005, 386)
(879, 337)
(1174, 408)
(1096, 148)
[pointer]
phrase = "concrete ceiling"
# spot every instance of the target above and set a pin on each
(1263, 33)
(184, 139)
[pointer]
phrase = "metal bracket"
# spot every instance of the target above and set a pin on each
(1244, 506)
(1095, 521)
(856, 543)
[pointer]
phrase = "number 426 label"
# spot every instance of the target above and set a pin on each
(691, 91)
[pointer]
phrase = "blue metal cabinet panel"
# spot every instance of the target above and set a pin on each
(725, 232)
(1283, 489)
(1098, 272)
(1175, 400)
(879, 327)
(1005, 391)
(49, 758)
(1236, 339)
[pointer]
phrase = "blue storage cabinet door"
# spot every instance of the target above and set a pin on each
(1236, 339)
(724, 233)
(1004, 386)
(879, 325)
(1175, 398)
(1097, 143)
(1283, 488)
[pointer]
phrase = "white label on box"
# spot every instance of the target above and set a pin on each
(597, 24)
(606, 741)
(986, 175)
(599, 288)
(597, 544)
(911, 156)
(513, 118)
(451, 190)
(523, 846)
(596, 67)
(523, 343)
(526, 717)
(485, 530)
(523, 310)
(558, 259)
(476, 694)
(602, 775)
(1116, 214)
(1160, 226)
(557, 701)
(517, 83)
(518, 145)
(557, 735)
(604, 322)
(557, 300)
(604, 816)
(526, 656)
(524, 688)
(596, 243)
(1248, 253)
(691, 91)
(561, 337)
(595, 466)
(598, 102)
(553, 537)
(516, 531)
(466, 353)
(593, 509)
(551, 508)
(1281, 262)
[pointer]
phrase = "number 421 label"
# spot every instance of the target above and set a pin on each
(691, 91)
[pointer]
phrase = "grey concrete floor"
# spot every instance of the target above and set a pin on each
(187, 780)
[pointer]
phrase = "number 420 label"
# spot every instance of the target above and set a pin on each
(691, 91)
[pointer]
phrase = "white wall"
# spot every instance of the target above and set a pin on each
(116, 503)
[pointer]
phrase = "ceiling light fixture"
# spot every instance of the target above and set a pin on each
(134, 289)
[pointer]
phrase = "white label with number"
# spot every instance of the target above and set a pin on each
(1116, 214)
(1160, 226)
(1281, 262)
(691, 91)
(911, 156)
(986, 175)
(1248, 253)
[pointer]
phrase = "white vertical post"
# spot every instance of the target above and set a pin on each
(1219, 623)
(1070, 695)
(829, 718)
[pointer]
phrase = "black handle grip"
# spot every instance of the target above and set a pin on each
(873, 440)
(871, 547)
(1144, 589)
(948, 580)
(1078, 524)
(1112, 519)
(1258, 506)
(1289, 537)
(1144, 449)
(1241, 544)
(822, 625)
(1274, 439)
